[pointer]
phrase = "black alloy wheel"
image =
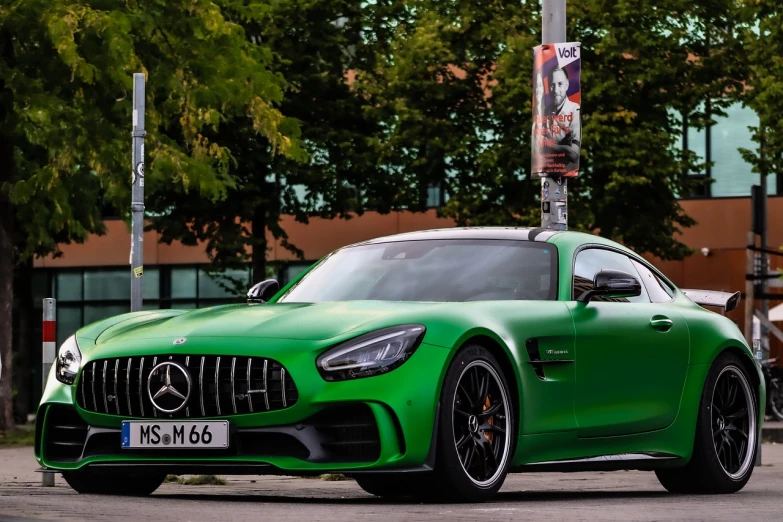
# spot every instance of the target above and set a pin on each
(475, 429)
(480, 432)
(724, 449)
(733, 421)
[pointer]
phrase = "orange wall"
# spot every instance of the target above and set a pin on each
(721, 226)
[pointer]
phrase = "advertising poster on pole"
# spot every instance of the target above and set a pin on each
(557, 125)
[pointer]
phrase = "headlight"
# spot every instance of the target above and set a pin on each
(69, 358)
(376, 352)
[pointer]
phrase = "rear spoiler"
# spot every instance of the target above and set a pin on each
(725, 300)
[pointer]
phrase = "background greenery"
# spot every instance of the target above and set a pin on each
(260, 108)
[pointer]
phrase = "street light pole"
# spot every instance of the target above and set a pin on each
(553, 30)
(137, 194)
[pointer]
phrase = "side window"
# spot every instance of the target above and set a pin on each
(590, 261)
(658, 290)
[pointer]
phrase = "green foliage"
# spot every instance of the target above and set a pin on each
(638, 75)
(66, 91)
(764, 49)
(314, 44)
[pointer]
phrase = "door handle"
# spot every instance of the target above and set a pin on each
(661, 323)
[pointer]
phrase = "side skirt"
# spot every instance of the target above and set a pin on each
(640, 461)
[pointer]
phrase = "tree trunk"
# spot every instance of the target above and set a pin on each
(259, 244)
(6, 283)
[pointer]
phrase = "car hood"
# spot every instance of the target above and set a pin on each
(298, 321)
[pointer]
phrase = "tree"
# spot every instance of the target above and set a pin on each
(456, 89)
(65, 113)
(315, 44)
(764, 93)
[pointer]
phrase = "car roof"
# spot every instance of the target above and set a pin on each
(541, 235)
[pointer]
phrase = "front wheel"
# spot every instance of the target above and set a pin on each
(724, 450)
(101, 483)
(475, 428)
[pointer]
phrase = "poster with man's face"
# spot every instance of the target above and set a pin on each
(557, 125)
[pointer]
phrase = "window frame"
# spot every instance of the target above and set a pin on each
(631, 257)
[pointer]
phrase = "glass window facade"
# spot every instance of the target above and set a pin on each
(719, 144)
(85, 295)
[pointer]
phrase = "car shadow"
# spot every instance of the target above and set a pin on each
(507, 496)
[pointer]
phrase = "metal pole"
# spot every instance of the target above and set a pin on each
(137, 195)
(749, 300)
(49, 352)
(553, 30)
(764, 265)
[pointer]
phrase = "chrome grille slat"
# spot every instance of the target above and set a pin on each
(249, 398)
(154, 362)
(233, 389)
(127, 386)
(260, 376)
(141, 381)
(92, 386)
(217, 385)
(116, 378)
(103, 387)
(201, 386)
(84, 387)
(187, 361)
(266, 389)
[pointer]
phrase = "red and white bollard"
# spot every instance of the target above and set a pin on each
(48, 354)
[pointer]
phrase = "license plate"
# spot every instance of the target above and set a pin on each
(174, 434)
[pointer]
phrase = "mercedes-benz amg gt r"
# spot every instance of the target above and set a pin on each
(429, 364)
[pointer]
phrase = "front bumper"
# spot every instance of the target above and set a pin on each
(378, 423)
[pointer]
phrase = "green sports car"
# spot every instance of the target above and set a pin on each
(429, 364)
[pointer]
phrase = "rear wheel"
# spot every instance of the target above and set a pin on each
(476, 428)
(726, 434)
(101, 483)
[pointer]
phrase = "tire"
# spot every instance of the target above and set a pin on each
(134, 485)
(475, 429)
(397, 485)
(724, 451)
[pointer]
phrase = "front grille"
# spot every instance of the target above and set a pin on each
(220, 386)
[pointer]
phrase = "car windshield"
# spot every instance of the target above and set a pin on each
(433, 270)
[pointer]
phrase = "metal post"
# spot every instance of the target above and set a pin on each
(553, 30)
(48, 354)
(764, 266)
(749, 285)
(137, 195)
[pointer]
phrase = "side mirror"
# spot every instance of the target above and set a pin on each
(612, 283)
(263, 291)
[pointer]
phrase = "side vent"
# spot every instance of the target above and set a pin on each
(535, 357)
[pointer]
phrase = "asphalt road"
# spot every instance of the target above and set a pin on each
(621, 495)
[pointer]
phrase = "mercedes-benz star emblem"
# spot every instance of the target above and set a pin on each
(172, 383)
(179, 341)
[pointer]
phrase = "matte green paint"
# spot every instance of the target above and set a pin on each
(630, 388)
